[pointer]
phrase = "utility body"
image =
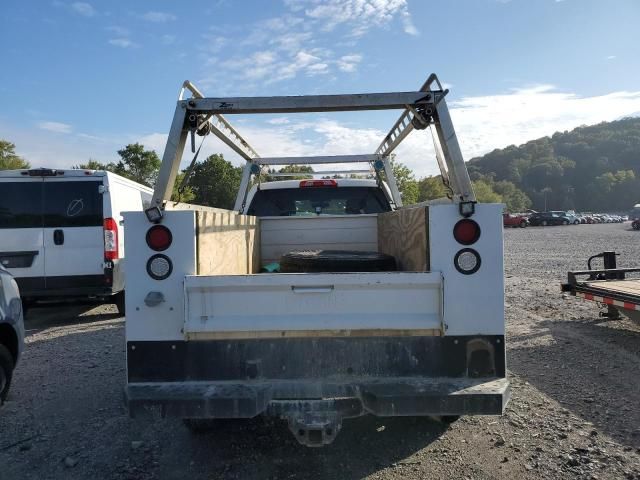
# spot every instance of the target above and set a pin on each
(413, 326)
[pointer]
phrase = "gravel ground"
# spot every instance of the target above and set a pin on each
(575, 410)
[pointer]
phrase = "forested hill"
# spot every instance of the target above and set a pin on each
(591, 168)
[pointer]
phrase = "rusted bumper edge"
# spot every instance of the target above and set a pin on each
(388, 397)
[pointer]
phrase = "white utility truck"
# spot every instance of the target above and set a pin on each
(316, 299)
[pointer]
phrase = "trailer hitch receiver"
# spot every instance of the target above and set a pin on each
(313, 429)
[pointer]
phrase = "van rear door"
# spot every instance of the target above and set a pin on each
(73, 233)
(21, 235)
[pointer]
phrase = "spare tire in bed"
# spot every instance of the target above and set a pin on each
(307, 261)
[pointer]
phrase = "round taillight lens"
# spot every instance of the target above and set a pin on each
(467, 261)
(159, 238)
(159, 267)
(466, 232)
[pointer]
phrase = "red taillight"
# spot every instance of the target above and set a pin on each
(466, 232)
(110, 239)
(318, 183)
(159, 238)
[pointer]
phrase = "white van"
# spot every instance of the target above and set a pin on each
(61, 232)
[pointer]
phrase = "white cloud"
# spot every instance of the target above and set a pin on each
(213, 43)
(305, 40)
(349, 63)
(360, 15)
(159, 17)
(83, 8)
(122, 42)
(611, 57)
(119, 31)
(278, 121)
(55, 127)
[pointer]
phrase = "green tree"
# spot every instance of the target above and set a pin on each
(406, 181)
(94, 165)
(514, 198)
(215, 182)
(187, 194)
(8, 158)
(272, 175)
(430, 188)
(138, 164)
(485, 192)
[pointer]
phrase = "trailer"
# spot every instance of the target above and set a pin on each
(215, 331)
(617, 289)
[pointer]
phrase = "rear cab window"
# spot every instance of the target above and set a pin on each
(313, 201)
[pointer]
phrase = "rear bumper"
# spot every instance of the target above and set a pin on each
(346, 399)
(315, 383)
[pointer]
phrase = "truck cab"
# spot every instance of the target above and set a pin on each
(310, 197)
(391, 310)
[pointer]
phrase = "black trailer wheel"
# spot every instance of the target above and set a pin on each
(6, 372)
(118, 299)
(523, 224)
(336, 261)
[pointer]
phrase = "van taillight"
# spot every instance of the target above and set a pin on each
(110, 239)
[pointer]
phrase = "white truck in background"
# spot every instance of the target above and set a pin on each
(214, 330)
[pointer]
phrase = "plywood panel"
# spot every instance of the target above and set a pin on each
(228, 243)
(403, 234)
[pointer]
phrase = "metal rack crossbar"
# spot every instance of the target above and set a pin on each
(325, 159)
(325, 173)
(421, 109)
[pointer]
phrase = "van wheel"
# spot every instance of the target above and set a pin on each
(523, 224)
(565, 222)
(6, 372)
(544, 223)
(306, 261)
(118, 299)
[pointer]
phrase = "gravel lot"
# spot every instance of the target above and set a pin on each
(575, 411)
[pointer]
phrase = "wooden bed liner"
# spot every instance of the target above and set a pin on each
(228, 243)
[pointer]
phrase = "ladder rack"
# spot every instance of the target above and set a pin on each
(421, 109)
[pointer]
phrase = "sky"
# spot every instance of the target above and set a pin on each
(82, 79)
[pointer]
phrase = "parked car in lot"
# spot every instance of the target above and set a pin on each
(573, 218)
(11, 330)
(61, 234)
(547, 218)
(511, 220)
